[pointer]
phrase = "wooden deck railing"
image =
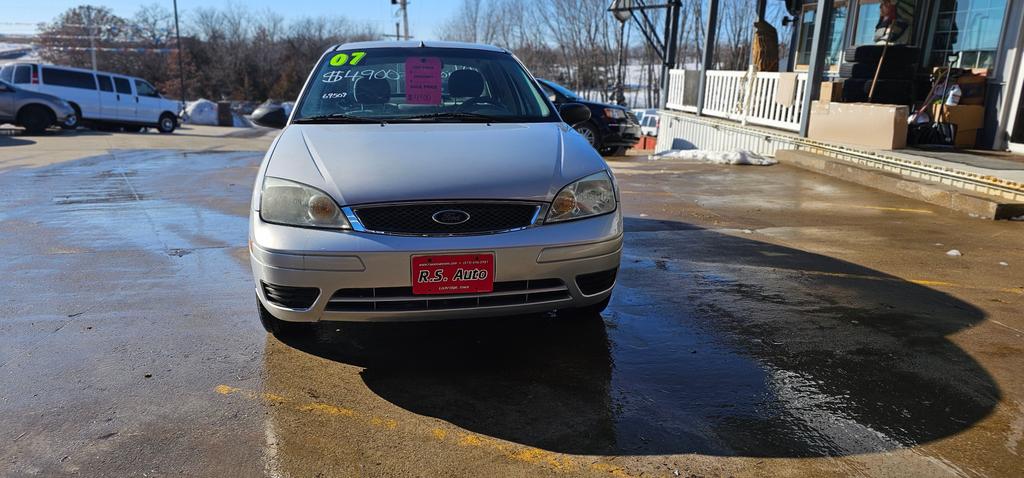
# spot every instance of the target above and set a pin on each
(732, 95)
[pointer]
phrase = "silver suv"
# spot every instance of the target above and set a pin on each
(33, 111)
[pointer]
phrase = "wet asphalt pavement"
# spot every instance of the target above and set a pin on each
(766, 321)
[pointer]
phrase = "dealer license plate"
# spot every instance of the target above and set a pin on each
(453, 274)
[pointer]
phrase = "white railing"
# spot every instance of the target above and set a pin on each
(731, 95)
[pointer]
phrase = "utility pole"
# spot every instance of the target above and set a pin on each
(398, 32)
(403, 5)
(92, 36)
(405, 16)
(181, 61)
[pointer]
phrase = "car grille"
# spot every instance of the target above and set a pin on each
(418, 218)
(391, 299)
(290, 297)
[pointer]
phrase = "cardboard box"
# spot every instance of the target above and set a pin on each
(969, 119)
(966, 138)
(831, 91)
(861, 124)
(963, 116)
(972, 89)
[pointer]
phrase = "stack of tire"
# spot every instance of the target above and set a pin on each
(896, 84)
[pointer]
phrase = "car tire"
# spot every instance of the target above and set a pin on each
(73, 122)
(587, 311)
(167, 123)
(589, 133)
(35, 119)
(276, 326)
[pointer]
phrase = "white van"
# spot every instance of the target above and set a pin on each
(101, 98)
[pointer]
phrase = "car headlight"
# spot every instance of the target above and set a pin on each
(590, 196)
(614, 113)
(294, 204)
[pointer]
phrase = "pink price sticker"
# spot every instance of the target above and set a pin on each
(423, 80)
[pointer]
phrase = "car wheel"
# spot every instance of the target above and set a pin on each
(589, 133)
(167, 123)
(73, 121)
(588, 311)
(35, 119)
(276, 326)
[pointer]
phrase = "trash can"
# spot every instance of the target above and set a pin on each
(224, 117)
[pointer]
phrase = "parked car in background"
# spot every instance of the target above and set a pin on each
(649, 124)
(33, 111)
(611, 129)
(98, 98)
(641, 112)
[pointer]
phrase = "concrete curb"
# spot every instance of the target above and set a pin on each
(986, 207)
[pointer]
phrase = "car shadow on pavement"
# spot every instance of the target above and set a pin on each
(13, 137)
(714, 344)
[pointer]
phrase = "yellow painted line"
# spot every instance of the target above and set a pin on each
(558, 462)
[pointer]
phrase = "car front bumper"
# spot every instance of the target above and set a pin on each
(333, 260)
(622, 134)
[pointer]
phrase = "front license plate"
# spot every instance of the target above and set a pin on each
(453, 274)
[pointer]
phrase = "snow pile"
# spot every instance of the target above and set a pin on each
(201, 111)
(738, 156)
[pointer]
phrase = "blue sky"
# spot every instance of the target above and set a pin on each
(425, 16)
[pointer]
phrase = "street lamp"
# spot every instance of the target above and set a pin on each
(621, 10)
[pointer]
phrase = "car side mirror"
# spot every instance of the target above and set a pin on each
(574, 113)
(270, 116)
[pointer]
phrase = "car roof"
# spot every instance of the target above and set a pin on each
(417, 44)
(74, 68)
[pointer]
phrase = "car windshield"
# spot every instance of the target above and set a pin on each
(422, 84)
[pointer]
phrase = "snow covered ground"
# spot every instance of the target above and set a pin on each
(12, 52)
(738, 156)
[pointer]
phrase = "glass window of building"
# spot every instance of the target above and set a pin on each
(805, 35)
(969, 29)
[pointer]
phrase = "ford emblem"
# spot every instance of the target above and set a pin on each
(450, 217)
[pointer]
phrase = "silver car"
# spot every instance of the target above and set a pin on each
(33, 111)
(429, 180)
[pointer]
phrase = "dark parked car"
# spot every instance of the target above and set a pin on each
(611, 128)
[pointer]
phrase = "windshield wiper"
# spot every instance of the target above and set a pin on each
(336, 118)
(454, 115)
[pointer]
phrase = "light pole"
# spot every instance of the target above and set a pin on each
(181, 61)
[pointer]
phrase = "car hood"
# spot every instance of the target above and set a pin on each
(370, 163)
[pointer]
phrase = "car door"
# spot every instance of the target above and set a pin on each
(6, 102)
(109, 108)
(74, 86)
(148, 102)
(125, 99)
